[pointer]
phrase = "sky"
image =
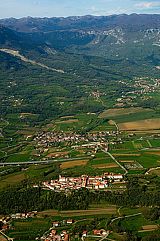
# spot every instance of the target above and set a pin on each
(57, 8)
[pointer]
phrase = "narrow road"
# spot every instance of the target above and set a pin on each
(149, 143)
(104, 237)
(128, 216)
(122, 167)
(117, 127)
(44, 235)
(118, 211)
(152, 169)
(4, 235)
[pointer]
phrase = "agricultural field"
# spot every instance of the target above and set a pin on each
(29, 229)
(112, 113)
(138, 161)
(12, 179)
(102, 161)
(155, 171)
(72, 123)
(69, 121)
(19, 157)
(35, 173)
(71, 164)
(155, 143)
(137, 155)
(96, 211)
(2, 238)
(141, 125)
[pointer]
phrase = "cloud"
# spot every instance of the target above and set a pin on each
(147, 5)
(103, 12)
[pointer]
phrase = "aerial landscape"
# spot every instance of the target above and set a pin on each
(80, 120)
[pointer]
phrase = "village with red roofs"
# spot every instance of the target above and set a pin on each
(84, 181)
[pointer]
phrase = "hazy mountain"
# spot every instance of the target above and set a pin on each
(133, 22)
(19, 41)
(87, 34)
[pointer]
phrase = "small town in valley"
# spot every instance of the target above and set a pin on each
(84, 181)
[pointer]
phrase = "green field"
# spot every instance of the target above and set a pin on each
(29, 229)
(18, 157)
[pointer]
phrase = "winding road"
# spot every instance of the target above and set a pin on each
(127, 216)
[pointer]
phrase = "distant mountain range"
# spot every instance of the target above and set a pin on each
(132, 22)
(87, 34)
(119, 37)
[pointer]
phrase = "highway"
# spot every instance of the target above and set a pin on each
(40, 162)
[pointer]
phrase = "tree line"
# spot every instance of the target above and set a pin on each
(25, 198)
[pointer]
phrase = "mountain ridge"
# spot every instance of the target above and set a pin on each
(31, 24)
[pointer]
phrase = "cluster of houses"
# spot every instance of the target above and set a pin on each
(89, 182)
(146, 86)
(65, 236)
(56, 233)
(5, 221)
(47, 139)
(54, 236)
(142, 85)
(97, 94)
(31, 214)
